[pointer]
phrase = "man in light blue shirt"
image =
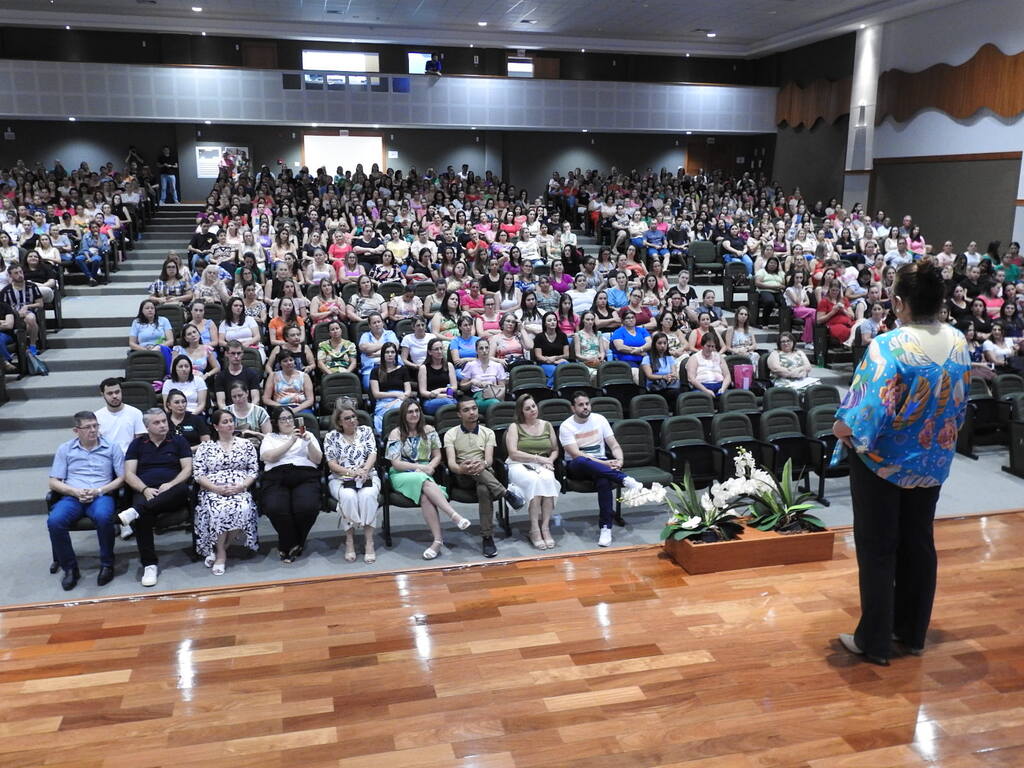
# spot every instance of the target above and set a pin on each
(85, 471)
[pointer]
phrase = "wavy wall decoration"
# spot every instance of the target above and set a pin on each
(823, 99)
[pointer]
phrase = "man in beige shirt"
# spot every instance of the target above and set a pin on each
(469, 449)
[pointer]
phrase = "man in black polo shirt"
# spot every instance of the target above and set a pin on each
(157, 468)
(235, 371)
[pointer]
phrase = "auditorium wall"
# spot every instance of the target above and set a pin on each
(812, 158)
(954, 34)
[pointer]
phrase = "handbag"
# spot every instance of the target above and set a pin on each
(36, 367)
(744, 375)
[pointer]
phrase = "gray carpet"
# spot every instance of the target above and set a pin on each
(974, 487)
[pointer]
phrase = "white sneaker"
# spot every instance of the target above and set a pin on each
(149, 576)
(126, 532)
(605, 539)
(128, 517)
(631, 483)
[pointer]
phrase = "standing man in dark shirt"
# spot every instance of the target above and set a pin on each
(157, 467)
(168, 162)
(235, 371)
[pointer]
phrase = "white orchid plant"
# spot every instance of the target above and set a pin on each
(717, 514)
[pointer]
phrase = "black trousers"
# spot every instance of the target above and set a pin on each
(892, 528)
(291, 499)
(768, 302)
(173, 498)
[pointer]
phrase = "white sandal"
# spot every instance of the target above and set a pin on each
(218, 569)
(210, 560)
(460, 522)
(433, 550)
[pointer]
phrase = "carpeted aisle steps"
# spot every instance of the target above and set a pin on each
(91, 347)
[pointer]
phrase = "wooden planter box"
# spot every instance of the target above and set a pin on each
(753, 549)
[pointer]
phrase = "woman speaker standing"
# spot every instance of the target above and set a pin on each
(900, 419)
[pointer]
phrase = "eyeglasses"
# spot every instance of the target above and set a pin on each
(350, 417)
(285, 417)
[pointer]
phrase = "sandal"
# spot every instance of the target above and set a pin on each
(460, 522)
(548, 540)
(370, 558)
(433, 550)
(350, 555)
(218, 569)
(537, 540)
(210, 560)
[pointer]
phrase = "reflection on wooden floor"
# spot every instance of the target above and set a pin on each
(604, 661)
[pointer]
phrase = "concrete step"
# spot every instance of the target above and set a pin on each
(31, 449)
(114, 288)
(114, 337)
(25, 492)
(60, 384)
(88, 358)
(25, 414)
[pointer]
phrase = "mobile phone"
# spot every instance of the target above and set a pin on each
(302, 427)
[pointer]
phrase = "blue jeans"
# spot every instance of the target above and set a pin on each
(431, 406)
(89, 264)
(5, 353)
(382, 407)
(168, 188)
(195, 259)
(584, 468)
(729, 258)
(66, 513)
(549, 371)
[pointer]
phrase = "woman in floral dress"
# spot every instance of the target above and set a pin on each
(225, 469)
(351, 452)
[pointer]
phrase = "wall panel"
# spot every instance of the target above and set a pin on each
(955, 199)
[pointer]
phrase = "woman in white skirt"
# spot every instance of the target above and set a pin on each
(351, 453)
(532, 451)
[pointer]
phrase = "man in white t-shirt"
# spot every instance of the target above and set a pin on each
(119, 423)
(585, 437)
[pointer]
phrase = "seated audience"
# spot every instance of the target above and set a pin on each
(224, 469)
(289, 387)
(157, 469)
(86, 471)
(469, 450)
(707, 371)
(414, 452)
(251, 421)
(532, 452)
(291, 481)
(435, 379)
(789, 366)
(351, 452)
(183, 379)
(182, 422)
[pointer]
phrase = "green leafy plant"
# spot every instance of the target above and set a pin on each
(782, 507)
(700, 518)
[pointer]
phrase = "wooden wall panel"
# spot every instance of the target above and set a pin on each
(988, 80)
(827, 100)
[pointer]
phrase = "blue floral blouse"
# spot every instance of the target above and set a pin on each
(905, 410)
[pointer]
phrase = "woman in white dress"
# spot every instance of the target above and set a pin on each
(532, 451)
(351, 452)
(224, 469)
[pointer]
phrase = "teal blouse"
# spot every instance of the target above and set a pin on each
(905, 410)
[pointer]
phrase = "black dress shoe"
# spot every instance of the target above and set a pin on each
(907, 647)
(70, 579)
(105, 576)
(848, 642)
(489, 549)
(54, 566)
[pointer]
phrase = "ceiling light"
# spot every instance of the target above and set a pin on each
(473, 128)
(687, 55)
(204, 34)
(315, 125)
(197, 9)
(66, 27)
(72, 119)
(481, 23)
(711, 34)
(863, 26)
(528, 21)
(689, 133)
(584, 130)
(207, 122)
(583, 50)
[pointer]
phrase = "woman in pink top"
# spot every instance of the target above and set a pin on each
(568, 322)
(560, 281)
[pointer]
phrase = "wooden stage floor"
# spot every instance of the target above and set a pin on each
(606, 660)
